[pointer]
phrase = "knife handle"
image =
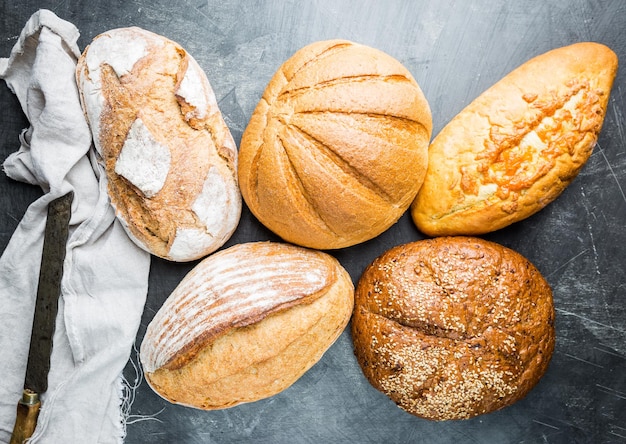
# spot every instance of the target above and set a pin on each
(26, 419)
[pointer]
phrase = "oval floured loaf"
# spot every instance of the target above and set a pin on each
(516, 147)
(167, 154)
(336, 149)
(245, 324)
(453, 327)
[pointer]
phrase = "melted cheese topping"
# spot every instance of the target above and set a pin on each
(518, 155)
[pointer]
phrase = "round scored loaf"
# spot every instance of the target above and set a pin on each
(169, 159)
(245, 324)
(453, 327)
(337, 147)
(516, 147)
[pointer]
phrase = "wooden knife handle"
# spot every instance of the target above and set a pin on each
(26, 419)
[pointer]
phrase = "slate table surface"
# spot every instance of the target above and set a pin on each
(455, 50)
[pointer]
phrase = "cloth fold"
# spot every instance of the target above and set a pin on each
(105, 281)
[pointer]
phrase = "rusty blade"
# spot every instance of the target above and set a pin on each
(48, 292)
(46, 308)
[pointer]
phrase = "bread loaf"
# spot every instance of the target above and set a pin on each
(453, 327)
(245, 324)
(336, 149)
(516, 147)
(168, 157)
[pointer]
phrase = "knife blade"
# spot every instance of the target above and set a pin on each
(46, 308)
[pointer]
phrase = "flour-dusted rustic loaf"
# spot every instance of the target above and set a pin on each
(336, 149)
(168, 157)
(453, 327)
(245, 324)
(516, 147)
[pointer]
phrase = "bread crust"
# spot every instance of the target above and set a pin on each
(336, 148)
(245, 324)
(168, 158)
(516, 147)
(453, 327)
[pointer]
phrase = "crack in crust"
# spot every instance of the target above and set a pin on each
(289, 94)
(315, 58)
(339, 122)
(327, 152)
(450, 328)
(160, 194)
(303, 189)
(223, 293)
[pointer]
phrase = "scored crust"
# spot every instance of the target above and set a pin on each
(516, 147)
(245, 324)
(336, 149)
(453, 327)
(169, 159)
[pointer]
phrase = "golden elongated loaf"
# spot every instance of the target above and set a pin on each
(245, 324)
(453, 327)
(168, 157)
(336, 149)
(516, 147)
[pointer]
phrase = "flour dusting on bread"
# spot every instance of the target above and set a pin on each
(246, 323)
(143, 160)
(169, 159)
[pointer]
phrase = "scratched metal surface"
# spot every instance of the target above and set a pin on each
(455, 50)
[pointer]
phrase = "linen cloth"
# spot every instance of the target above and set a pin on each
(105, 280)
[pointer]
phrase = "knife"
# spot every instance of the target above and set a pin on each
(46, 307)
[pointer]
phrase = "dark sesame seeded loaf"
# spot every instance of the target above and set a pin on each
(453, 327)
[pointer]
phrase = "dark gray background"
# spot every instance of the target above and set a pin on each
(455, 50)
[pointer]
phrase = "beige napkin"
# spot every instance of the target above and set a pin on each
(105, 275)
